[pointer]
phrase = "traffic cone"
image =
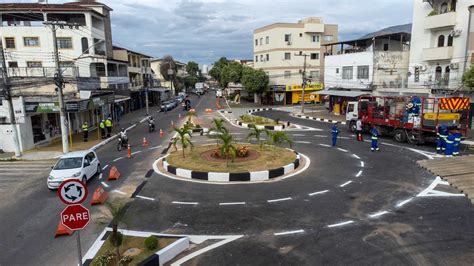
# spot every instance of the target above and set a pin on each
(99, 196)
(179, 115)
(62, 230)
(145, 142)
(161, 133)
(129, 151)
(172, 123)
(114, 174)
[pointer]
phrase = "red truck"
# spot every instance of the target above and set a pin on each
(409, 118)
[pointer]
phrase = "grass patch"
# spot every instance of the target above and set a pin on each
(133, 242)
(257, 120)
(269, 159)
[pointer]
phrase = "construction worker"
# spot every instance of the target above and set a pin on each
(443, 135)
(102, 129)
(334, 133)
(85, 131)
(449, 145)
(375, 137)
(108, 125)
(457, 142)
(439, 140)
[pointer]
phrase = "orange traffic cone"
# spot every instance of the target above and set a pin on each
(145, 142)
(161, 133)
(129, 151)
(99, 196)
(62, 230)
(114, 174)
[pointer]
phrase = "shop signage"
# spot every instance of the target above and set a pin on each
(308, 87)
(32, 107)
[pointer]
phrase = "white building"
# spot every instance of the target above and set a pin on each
(438, 54)
(205, 70)
(278, 50)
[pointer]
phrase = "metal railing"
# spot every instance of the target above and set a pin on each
(40, 72)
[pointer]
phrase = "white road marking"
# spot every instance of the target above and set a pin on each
(277, 200)
(119, 192)
(154, 148)
(320, 136)
(137, 152)
(324, 145)
(404, 202)
(298, 135)
(105, 167)
(119, 158)
(231, 203)
(377, 214)
(345, 184)
(185, 203)
(100, 176)
(303, 142)
(343, 150)
(355, 156)
(340, 224)
(143, 197)
(359, 173)
(289, 232)
(428, 155)
(442, 182)
(431, 192)
(104, 184)
(389, 144)
(362, 164)
(317, 193)
(342, 137)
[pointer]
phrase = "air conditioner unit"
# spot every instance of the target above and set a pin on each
(453, 66)
(455, 33)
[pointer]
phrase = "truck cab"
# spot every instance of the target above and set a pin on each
(352, 114)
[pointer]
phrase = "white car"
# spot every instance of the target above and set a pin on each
(80, 165)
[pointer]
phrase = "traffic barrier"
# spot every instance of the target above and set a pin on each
(208, 110)
(162, 134)
(62, 230)
(114, 174)
(129, 151)
(172, 123)
(145, 142)
(99, 196)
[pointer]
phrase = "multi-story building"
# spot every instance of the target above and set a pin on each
(438, 50)
(84, 41)
(376, 63)
(169, 82)
(279, 50)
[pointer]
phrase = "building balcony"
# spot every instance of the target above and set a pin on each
(134, 69)
(438, 53)
(440, 21)
(40, 72)
(106, 81)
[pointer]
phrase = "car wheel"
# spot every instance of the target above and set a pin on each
(84, 180)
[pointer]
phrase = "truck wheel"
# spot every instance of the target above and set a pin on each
(412, 139)
(352, 126)
(400, 135)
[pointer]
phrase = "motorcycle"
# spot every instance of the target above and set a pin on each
(151, 126)
(122, 143)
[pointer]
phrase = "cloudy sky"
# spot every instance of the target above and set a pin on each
(204, 30)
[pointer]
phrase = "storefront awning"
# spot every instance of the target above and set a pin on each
(159, 89)
(341, 93)
(119, 99)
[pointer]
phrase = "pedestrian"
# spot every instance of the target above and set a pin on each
(359, 129)
(102, 129)
(334, 132)
(108, 126)
(85, 131)
(375, 136)
(449, 145)
(457, 142)
(439, 140)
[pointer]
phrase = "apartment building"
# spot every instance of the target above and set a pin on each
(438, 55)
(91, 74)
(167, 84)
(279, 49)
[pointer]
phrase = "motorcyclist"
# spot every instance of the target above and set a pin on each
(123, 136)
(151, 122)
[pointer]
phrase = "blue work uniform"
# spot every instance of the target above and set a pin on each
(457, 143)
(375, 137)
(449, 145)
(442, 136)
(334, 132)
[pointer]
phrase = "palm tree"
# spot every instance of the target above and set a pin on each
(190, 116)
(183, 137)
(219, 127)
(117, 211)
(227, 149)
(256, 133)
(277, 139)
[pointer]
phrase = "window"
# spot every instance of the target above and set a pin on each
(256, 58)
(287, 74)
(261, 41)
(450, 40)
(261, 57)
(301, 52)
(34, 64)
(64, 42)
(31, 41)
(337, 70)
(315, 56)
(267, 57)
(385, 46)
(85, 45)
(10, 43)
(441, 41)
(301, 34)
(267, 40)
(438, 73)
(347, 72)
(314, 75)
(287, 56)
(328, 38)
(13, 64)
(288, 38)
(443, 8)
(256, 42)
(314, 38)
(363, 72)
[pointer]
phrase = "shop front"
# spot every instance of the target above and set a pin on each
(338, 99)
(294, 92)
(44, 116)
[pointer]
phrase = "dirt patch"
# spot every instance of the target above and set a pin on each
(208, 156)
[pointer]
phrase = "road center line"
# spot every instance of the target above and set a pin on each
(378, 214)
(355, 156)
(133, 153)
(231, 203)
(185, 203)
(104, 184)
(324, 145)
(119, 158)
(342, 150)
(154, 148)
(120, 192)
(105, 167)
(303, 142)
(345, 184)
(143, 197)
(343, 137)
(317, 193)
(320, 136)
(404, 202)
(289, 232)
(359, 173)
(340, 224)
(362, 164)
(277, 200)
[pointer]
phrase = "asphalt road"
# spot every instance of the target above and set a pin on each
(351, 206)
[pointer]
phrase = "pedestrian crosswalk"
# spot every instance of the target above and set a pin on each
(13, 172)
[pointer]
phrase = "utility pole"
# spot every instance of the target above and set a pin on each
(8, 96)
(59, 86)
(146, 93)
(303, 85)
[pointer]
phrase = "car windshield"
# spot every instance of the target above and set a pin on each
(68, 163)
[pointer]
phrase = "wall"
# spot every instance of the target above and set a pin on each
(334, 63)
(23, 127)
(391, 69)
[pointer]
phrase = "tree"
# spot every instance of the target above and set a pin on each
(468, 79)
(183, 137)
(117, 211)
(216, 70)
(277, 139)
(168, 63)
(232, 72)
(218, 127)
(256, 133)
(190, 81)
(255, 81)
(227, 149)
(192, 68)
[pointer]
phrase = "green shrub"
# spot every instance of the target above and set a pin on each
(105, 259)
(151, 243)
(432, 13)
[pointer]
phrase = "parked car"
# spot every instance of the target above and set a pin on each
(167, 106)
(80, 165)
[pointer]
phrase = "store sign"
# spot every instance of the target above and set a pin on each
(308, 87)
(42, 107)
